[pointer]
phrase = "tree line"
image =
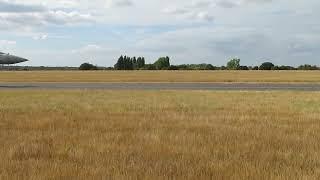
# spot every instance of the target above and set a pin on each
(133, 63)
(234, 64)
(163, 63)
(128, 63)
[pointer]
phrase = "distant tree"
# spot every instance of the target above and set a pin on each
(167, 60)
(130, 64)
(223, 68)
(149, 67)
(183, 67)
(126, 62)
(308, 67)
(233, 64)
(209, 67)
(87, 66)
(244, 68)
(283, 68)
(134, 62)
(140, 62)
(193, 67)
(120, 64)
(143, 61)
(266, 66)
(163, 63)
(173, 67)
(199, 67)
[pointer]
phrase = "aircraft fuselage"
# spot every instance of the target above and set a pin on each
(11, 59)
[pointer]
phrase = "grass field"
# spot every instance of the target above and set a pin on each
(159, 135)
(162, 76)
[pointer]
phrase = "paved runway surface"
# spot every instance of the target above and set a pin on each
(163, 86)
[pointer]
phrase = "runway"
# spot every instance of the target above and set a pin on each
(162, 86)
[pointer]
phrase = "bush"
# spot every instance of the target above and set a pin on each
(266, 66)
(149, 67)
(87, 67)
(163, 63)
(244, 68)
(283, 68)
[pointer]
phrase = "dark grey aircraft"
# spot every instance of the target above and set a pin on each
(10, 59)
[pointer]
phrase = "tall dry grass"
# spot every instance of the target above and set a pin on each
(159, 135)
(162, 76)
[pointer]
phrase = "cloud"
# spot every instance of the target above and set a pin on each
(236, 3)
(92, 48)
(7, 42)
(40, 37)
(88, 49)
(5, 45)
(256, 1)
(18, 16)
(201, 4)
(228, 3)
(119, 3)
(33, 20)
(175, 10)
(202, 10)
(6, 7)
(205, 16)
(193, 11)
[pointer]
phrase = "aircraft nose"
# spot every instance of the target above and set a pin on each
(24, 60)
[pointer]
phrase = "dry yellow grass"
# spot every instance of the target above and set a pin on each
(159, 135)
(162, 76)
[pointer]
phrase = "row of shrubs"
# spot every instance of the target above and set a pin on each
(163, 63)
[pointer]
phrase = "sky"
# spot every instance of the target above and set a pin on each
(70, 32)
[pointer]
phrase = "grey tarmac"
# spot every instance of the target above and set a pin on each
(164, 86)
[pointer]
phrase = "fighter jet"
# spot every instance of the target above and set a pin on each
(10, 59)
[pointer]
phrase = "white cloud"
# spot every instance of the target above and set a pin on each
(175, 10)
(7, 42)
(227, 3)
(193, 11)
(90, 48)
(7, 7)
(40, 37)
(94, 49)
(23, 21)
(21, 16)
(119, 3)
(5, 45)
(201, 4)
(205, 16)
